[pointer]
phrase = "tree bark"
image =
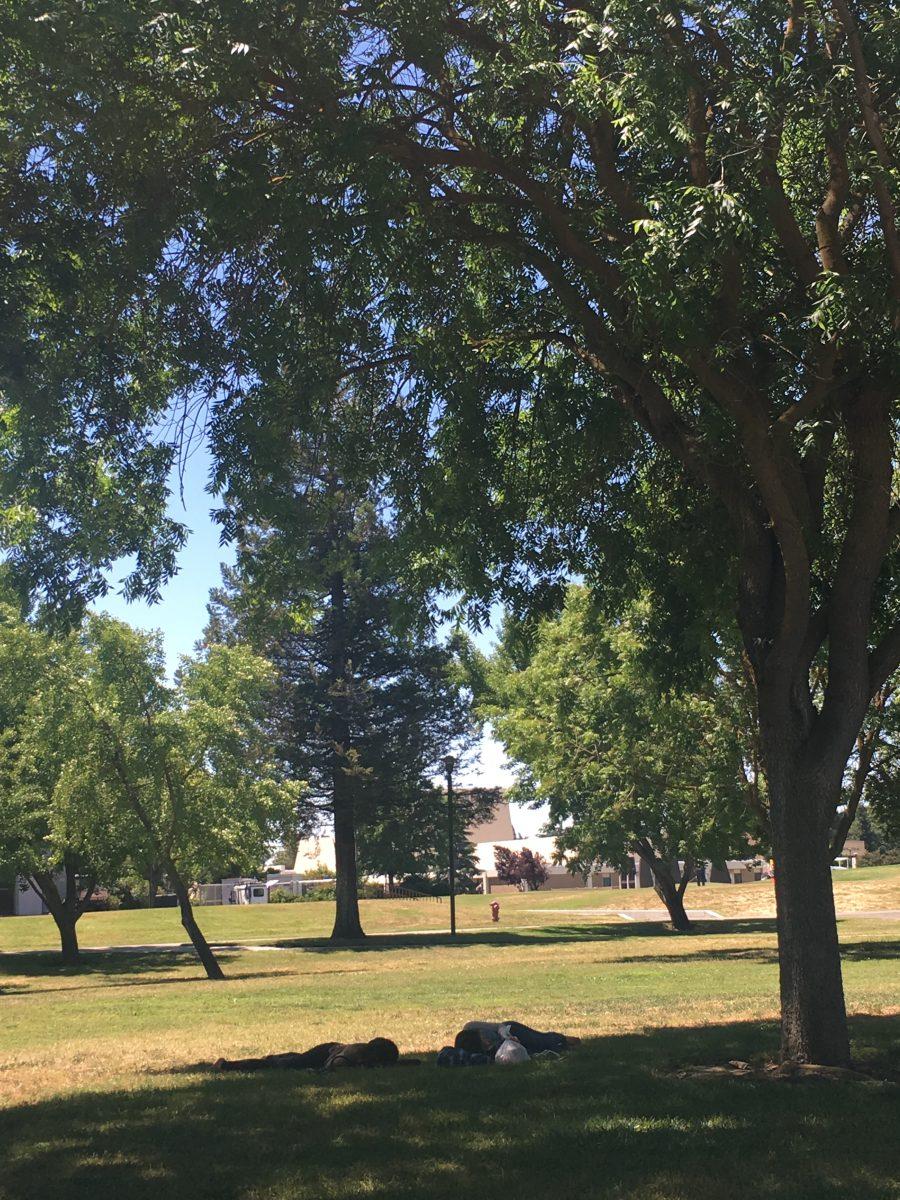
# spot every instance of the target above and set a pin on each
(65, 911)
(152, 886)
(193, 930)
(65, 920)
(671, 894)
(813, 1013)
(68, 938)
(347, 925)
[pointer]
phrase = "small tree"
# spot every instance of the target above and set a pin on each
(506, 864)
(871, 795)
(410, 837)
(189, 766)
(519, 867)
(534, 869)
(61, 843)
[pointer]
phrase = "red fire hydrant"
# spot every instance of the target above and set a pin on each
(495, 910)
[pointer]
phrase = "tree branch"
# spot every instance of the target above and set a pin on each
(872, 123)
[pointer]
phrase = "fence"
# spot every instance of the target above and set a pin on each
(402, 893)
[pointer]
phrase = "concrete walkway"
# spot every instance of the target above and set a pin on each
(660, 914)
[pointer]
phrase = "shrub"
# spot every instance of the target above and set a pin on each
(522, 869)
(881, 858)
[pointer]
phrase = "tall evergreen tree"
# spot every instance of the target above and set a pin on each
(367, 704)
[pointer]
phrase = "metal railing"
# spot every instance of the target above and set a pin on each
(402, 893)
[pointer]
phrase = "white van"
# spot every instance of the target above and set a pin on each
(250, 892)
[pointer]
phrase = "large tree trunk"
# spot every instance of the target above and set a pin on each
(813, 1015)
(347, 924)
(68, 939)
(193, 930)
(65, 919)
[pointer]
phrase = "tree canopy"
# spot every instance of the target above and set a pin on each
(625, 766)
(190, 766)
(102, 762)
(62, 839)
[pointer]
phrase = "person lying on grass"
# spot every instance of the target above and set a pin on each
(327, 1056)
(488, 1036)
(477, 1043)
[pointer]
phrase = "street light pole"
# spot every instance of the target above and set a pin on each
(449, 764)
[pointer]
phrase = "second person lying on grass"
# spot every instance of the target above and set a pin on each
(327, 1056)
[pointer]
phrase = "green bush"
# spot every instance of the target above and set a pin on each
(323, 893)
(365, 891)
(881, 858)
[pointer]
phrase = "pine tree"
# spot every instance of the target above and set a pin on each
(367, 705)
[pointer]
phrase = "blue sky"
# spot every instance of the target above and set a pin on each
(181, 613)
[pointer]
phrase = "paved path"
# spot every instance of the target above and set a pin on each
(633, 914)
(660, 914)
(877, 914)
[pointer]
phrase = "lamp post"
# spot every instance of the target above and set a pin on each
(449, 764)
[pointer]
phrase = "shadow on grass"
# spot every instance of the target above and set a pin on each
(543, 935)
(611, 1119)
(99, 964)
(850, 952)
(154, 965)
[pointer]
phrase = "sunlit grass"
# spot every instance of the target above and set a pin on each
(105, 1086)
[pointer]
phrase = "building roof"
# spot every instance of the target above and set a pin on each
(497, 828)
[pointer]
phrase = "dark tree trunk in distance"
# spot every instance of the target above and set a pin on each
(63, 916)
(347, 925)
(152, 886)
(193, 930)
(664, 884)
(68, 939)
(64, 909)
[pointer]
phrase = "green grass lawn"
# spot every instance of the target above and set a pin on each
(876, 888)
(105, 1087)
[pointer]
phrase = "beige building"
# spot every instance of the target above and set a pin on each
(560, 877)
(315, 852)
(500, 831)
